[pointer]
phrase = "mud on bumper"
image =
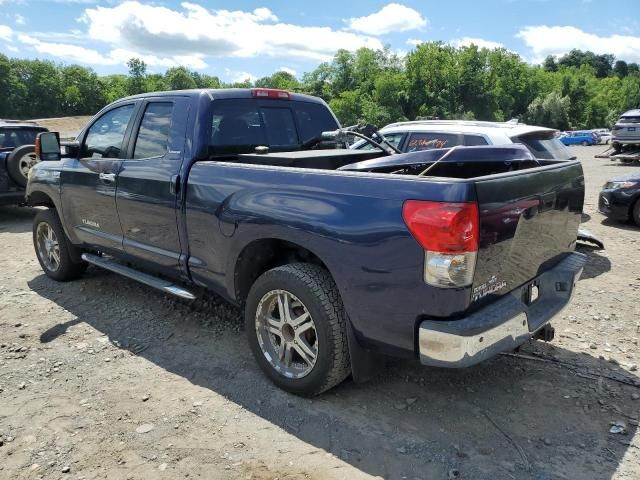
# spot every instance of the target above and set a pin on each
(503, 325)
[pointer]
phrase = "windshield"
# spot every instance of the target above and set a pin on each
(544, 145)
(392, 138)
(240, 125)
(16, 137)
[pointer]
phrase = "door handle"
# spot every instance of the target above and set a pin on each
(107, 177)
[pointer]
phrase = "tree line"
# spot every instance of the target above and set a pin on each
(579, 90)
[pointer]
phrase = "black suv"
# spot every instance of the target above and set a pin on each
(17, 156)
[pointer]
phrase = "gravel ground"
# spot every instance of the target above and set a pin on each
(105, 378)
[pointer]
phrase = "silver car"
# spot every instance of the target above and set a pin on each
(626, 131)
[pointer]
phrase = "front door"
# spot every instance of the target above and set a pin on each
(89, 182)
(148, 185)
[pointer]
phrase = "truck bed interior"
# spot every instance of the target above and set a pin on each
(457, 162)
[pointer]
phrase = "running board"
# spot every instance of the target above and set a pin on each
(155, 282)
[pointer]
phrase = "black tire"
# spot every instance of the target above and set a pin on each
(65, 269)
(617, 148)
(635, 213)
(317, 291)
(15, 167)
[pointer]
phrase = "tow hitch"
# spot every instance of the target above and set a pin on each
(546, 333)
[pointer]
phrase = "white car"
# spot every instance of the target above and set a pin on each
(427, 134)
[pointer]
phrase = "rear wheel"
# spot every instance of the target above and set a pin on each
(296, 327)
(635, 213)
(20, 162)
(52, 248)
(617, 148)
(584, 143)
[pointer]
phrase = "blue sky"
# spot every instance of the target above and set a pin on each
(252, 38)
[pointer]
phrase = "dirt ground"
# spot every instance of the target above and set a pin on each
(103, 378)
(68, 127)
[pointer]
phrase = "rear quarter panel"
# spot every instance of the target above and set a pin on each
(351, 221)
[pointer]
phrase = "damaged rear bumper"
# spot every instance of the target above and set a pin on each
(503, 325)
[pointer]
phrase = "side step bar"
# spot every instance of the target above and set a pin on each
(128, 272)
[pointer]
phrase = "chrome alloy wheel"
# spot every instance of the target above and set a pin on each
(48, 246)
(286, 334)
(25, 163)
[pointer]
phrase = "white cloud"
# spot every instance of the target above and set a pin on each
(237, 77)
(393, 17)
(195, 30)
(20, 20)
(11, 48)
(414, 42)
(478, 42)
(290, 71)
(79, 54)
(544, 40)
(6, 33)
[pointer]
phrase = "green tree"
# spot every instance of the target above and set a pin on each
(137, 74)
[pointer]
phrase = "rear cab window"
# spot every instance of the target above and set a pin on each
(544, 145)
(153, 135)
(240, 125)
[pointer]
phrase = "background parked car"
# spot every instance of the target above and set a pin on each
(604, 134)
(626, 131)
(580, 138)
(17, 156)
(620, 198)
(428, 134)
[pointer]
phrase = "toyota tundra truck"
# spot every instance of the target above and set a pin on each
(339, 257)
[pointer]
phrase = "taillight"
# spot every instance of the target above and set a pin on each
(270, 93)
(448, 232)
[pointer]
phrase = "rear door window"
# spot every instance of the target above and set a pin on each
(153, 135)
(393, 138)
(473, 140)
(429, 140)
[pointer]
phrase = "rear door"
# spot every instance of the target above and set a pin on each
(148, 184)
(529, 221)
(89, 183)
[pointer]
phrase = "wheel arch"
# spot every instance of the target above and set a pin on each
(263, 254)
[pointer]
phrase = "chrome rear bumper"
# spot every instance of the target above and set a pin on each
(502, 325)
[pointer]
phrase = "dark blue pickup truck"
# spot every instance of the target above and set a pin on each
(449, 256)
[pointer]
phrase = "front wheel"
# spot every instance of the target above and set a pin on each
(52, 248)
(585, 143)
(296, 327)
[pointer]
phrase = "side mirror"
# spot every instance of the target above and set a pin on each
(48, 146)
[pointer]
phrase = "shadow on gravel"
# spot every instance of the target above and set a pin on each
(621, 224)
(16, 219)
(544, 416)
(597, 264)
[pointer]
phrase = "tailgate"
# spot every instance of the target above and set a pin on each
(528, 223)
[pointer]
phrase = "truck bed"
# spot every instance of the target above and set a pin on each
(351, 219)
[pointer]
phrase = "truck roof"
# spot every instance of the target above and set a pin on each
(4, 123)
(220, 93)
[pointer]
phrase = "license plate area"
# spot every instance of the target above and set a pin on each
(531, 293)
(631, 129)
